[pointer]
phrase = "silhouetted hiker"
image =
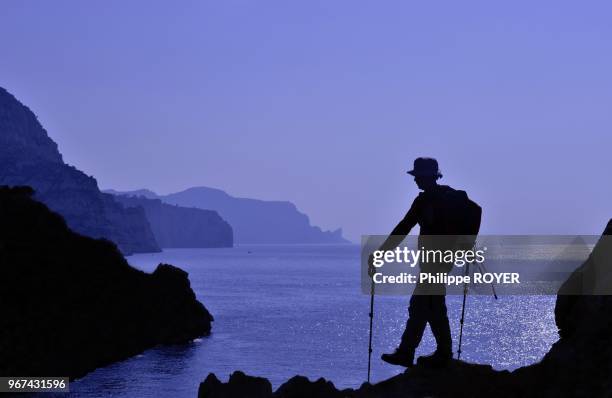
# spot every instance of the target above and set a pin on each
(439, 210)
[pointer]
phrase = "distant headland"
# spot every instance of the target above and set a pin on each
(253, 220)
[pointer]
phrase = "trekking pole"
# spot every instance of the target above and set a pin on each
(482, 269)
(371, 321)
(465, 290)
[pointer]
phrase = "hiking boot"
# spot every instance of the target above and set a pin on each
(438, 359)
(401, 358)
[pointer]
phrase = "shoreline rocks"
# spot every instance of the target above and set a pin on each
(71, 304)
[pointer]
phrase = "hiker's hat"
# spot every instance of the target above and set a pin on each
(425, 167)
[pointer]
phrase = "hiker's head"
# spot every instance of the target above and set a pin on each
(425, 183)
(426, 173)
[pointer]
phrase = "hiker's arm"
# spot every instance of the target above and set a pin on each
(398, 234)
(402, 229)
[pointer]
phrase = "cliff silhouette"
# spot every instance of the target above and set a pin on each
(182, 227)
(253, 220)
(579, 364)
(29, 157)
(70, 303)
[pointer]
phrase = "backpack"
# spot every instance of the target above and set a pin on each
(455, 226)
(461, 216)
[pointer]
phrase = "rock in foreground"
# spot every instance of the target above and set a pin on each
(70, 303)
(460, 379)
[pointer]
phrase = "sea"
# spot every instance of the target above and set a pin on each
(286, 310)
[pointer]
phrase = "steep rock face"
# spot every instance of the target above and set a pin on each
(21, 133)
(70, 303)
(579, 364)
(182, 227)
(253, 221)
(29, 157)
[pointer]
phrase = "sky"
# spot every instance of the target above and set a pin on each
(327, 103)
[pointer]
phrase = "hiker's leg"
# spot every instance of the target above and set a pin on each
(415, 326)
(438, 321)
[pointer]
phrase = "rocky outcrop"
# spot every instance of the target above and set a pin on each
(579, 364)
(70, 303)
(460, 379)
(182, 227)
(29, 157)
(253, 220)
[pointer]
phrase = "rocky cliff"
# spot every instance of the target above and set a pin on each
(253, 220)
(182, 227)
(579, 364)
(70, 303)
(29, 157)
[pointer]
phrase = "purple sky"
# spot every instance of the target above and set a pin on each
(326, 103)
